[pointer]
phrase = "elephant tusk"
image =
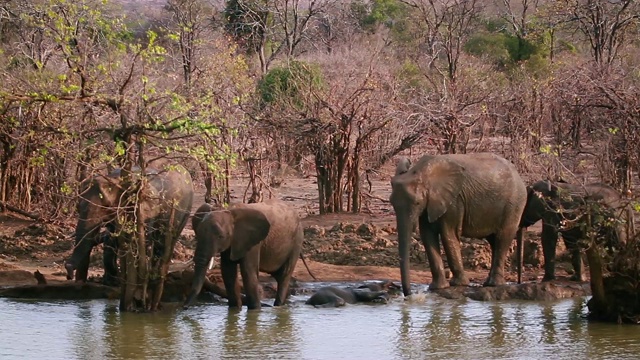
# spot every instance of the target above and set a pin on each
(212, 263)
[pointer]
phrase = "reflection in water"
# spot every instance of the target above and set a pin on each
(548, 321)
(264, 334)
(436, 328)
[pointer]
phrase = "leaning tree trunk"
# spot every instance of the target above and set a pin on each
(133, 256)
(132, 240)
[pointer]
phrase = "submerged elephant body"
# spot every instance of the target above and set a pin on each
(256, 237)
(473, 195)
(166, 208)
(557, 202)
(331, 296)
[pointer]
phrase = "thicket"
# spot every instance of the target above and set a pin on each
(264, 85)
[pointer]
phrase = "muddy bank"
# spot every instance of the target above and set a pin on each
(544, 291)
(335, 251)
(178, 284)
(377, 245)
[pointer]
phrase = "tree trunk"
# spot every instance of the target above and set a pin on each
(355, 184)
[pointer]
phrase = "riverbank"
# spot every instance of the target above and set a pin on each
(337, 248)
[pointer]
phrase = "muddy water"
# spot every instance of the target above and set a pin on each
(430, 327)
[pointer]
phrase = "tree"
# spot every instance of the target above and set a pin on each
(347, 117)
(130, 113)
(204, 55)
(272, 28)
(604, 24)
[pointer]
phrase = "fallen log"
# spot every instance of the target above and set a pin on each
(62, 291)
(5, 206)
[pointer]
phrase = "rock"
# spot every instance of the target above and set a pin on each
(384, 242)
(366, 231)
(314, 230)
(544, 291)
(476, 254)
(344, 228)
(532, 254)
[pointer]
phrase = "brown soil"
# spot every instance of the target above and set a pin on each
(338, 247)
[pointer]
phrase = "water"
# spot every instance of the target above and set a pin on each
(434, 328)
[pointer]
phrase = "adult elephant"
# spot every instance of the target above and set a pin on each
(166, 209)
(473, 195)
(558, 202)
(263, 237)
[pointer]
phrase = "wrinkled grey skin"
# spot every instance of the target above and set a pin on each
(170, 192)
(473, 195)
(263, 237)
(552, 202)
(331, 296)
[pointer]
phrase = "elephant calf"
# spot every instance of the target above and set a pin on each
(255, 237)
(558, 202)
(331, 296)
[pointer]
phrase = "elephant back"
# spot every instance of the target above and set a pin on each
(171, 194)
(284, 233)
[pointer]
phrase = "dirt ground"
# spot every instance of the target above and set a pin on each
(338, 247)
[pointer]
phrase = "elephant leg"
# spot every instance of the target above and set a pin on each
(82, 269)
(576, 260)
(229, 270)
(110, 261)
(500, 243)
(430, 239)
(549, 242)
(250, 281)
(283, 278)
(451, 244)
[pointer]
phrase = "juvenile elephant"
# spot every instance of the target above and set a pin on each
(473, 195)
(331, 296)
(555, 202)
(263, 237)
(166, 209)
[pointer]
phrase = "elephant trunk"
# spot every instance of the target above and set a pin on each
(520, 252)
(203, 254)
(405, 228)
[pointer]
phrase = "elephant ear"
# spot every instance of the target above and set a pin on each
(250, 228)
(445, 180)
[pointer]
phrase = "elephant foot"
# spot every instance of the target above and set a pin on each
(438, 284)
(459, 281)
(494, 282)
(549, 278)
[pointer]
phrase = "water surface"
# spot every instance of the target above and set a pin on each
(434, 328)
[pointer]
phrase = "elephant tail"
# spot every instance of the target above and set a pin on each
(307, 266)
